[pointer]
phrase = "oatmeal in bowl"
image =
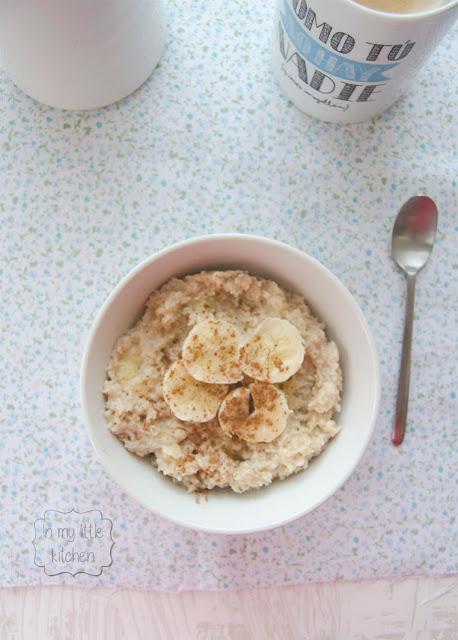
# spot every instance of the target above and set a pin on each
(227, 380)
(234, 365)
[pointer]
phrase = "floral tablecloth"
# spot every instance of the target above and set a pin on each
(209, 144)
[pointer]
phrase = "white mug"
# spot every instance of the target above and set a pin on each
(80, 54)
(343, 62)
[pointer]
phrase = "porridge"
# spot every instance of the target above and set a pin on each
(227, 380)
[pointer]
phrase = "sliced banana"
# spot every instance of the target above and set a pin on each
(189, 399)
(128, 365)
(267, 420)
(234, 411)
(211, 352)
(274, 352)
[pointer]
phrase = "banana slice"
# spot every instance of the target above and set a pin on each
(265, 423)
(211, 352)
(274, 352)
(189, 399)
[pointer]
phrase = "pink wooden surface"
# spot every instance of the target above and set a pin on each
(420, 609)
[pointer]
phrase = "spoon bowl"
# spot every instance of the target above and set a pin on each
(413, 233)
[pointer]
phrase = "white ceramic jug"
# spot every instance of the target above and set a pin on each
(80, 54)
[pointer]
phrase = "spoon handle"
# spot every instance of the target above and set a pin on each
(404, 374)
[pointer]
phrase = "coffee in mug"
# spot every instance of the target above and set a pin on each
(402, 6)
(343, 61)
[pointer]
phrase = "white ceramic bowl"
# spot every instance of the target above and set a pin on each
(285, 500)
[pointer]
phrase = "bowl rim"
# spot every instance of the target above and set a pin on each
(90, 341)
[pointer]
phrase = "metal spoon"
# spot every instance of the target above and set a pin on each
(413, 238)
